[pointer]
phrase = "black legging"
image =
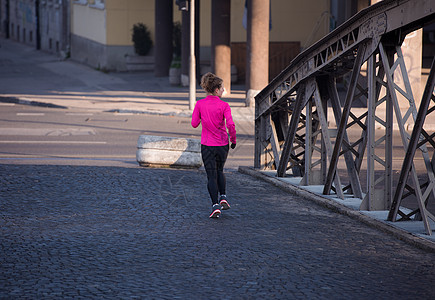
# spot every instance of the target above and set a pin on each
(214, 158)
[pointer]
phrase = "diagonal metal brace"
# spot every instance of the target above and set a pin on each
(346, 111)
(413, 143)
(286, 151)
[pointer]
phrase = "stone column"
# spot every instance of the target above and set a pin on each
(163, 37)
(220, 40)
(412, 48)
(257, 48)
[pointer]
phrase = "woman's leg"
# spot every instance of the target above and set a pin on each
(209, 160)
(221, 158)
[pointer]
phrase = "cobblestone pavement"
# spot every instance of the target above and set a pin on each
(110, 232)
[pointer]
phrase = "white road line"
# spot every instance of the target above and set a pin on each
(51, 142)
(30, 114)
(89, 157)
(79, 114)
(245, 144)
(46, 131)
(17, 156)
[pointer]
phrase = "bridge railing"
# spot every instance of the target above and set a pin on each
(352, 153)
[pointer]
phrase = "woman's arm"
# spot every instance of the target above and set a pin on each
(230, 124)
(196, 117)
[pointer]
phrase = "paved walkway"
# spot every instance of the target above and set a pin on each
(114, 233)
(45, 80)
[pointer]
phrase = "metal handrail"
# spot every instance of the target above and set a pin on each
(351, 24)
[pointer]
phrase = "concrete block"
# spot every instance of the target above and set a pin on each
(168, 151)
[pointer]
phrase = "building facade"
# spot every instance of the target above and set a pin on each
(43, 24)
(99, 32)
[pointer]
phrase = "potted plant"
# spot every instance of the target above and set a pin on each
(175, 68)
(141, 39)
(175, 71)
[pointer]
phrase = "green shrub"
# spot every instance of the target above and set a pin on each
(141, 39)
(176, 63)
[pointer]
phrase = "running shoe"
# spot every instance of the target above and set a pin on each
(224, 202)
(215, 211)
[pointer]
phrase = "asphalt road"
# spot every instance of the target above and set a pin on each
(32, 134)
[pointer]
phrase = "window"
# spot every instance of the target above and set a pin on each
(100, 4)
(82, 2)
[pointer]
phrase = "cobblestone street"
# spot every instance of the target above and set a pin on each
(110, 233)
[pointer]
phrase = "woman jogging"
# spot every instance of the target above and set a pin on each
(212, 113)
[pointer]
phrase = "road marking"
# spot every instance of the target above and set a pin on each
(241, 143)
(102, 120)
(30, 114)
(37, 156)
(46, 131)
(52, 142)
(88, 157)
(6, 104)
(79, 114)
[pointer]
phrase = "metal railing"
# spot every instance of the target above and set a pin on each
(294, 136)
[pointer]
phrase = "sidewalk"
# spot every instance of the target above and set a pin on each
(33, 77)
(412, 232)
(46, 80)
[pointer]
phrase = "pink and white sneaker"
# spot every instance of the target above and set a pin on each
(224, 202)
(215, 211)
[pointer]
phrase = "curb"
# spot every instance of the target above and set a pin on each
(403, 235)
(30, 102)
(173, 113)
(121, 111)
(182, 114)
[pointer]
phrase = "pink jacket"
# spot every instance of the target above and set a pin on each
(212, 112)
